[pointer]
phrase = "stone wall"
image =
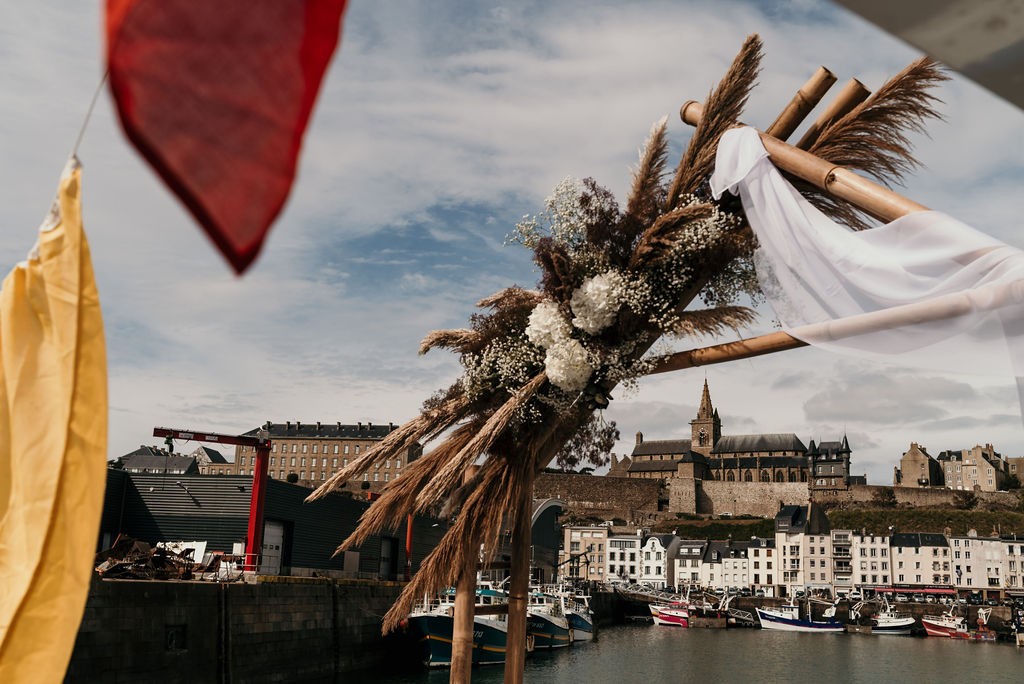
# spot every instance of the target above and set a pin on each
(716, 497)
(279, 630)
(911, 496)
(630, 499)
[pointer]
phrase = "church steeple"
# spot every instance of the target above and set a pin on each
(706, 411)
(706, 428)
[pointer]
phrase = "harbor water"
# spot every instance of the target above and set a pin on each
(641, 652)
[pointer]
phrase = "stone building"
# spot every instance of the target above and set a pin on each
(710, 455)
(315, 451)
(979, 467)
(917, 469)
(210, 461)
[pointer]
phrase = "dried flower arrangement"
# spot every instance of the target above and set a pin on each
(538, 364)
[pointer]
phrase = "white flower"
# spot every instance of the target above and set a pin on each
(567, 366)
(596, 302)
(546, 325)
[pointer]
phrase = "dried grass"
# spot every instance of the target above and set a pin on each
(722, 111)
(874, 137)
(658, 240)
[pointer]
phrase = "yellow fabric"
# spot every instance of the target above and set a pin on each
(53, 442)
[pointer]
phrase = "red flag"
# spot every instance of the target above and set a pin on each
(216, 96)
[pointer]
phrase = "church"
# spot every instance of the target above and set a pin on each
(710, 455)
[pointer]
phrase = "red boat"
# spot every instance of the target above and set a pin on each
(673, 614)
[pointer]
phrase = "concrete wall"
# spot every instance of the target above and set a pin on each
(280, 630)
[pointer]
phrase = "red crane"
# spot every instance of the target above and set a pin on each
(261, 442)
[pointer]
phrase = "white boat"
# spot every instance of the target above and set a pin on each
(787, 618)
(887, 620)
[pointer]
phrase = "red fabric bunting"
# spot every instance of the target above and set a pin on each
(216, 96)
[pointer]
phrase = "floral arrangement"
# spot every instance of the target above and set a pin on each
(540, 364)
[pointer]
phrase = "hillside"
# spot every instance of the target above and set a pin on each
(878, 520)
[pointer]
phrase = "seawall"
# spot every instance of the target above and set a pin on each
(279, 630)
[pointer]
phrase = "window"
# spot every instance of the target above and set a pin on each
(344, 463)
(305, 447)
(345, 449)
(357, 448)
(315, 448)
(272, 460)
(376, 477)
(335, 448)
(303, 461)
(387, 476)
(293, 462)
(334, 462)
(366, 477)
(387, 463)
(294, 449)
(302, 475)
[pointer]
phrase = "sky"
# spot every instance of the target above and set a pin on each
(439, 125)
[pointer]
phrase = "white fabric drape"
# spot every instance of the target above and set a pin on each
(924, 290)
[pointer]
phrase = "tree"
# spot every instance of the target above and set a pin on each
(1013, 482)
(292, 477)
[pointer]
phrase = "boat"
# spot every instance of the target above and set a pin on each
(948, 624)
(1017, 624)
(787, 618)
(433, 622)
(576, 607)
(886, 621)
(674, 614)
(546, 620)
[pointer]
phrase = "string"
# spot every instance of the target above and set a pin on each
(88, 113)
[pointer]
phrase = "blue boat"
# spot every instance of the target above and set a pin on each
(546, 621)
(434, 624)
(787, 618)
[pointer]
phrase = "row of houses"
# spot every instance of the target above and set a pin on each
(980, 467)
(803, 555)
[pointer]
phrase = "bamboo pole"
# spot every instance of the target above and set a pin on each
(852, 94)
(462, 621)
(985, 298)
(730, 351)
(803, 102)
(519, 585)
(880, 202)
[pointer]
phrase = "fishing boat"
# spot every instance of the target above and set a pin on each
(948, 624)
(674, 614)
(546, 620)
(576, 607)
(433, 621)
(787, 618)
(886, 621)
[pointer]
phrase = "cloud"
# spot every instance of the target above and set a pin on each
(438, 127)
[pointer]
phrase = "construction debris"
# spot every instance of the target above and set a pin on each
(130, 558)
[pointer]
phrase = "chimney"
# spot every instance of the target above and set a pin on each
(287, 425)
(360, 424)
(639, 438)
(318, 426)
(298, 425)
(339, 425)
(369, 426)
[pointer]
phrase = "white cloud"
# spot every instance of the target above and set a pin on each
(439, 125)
